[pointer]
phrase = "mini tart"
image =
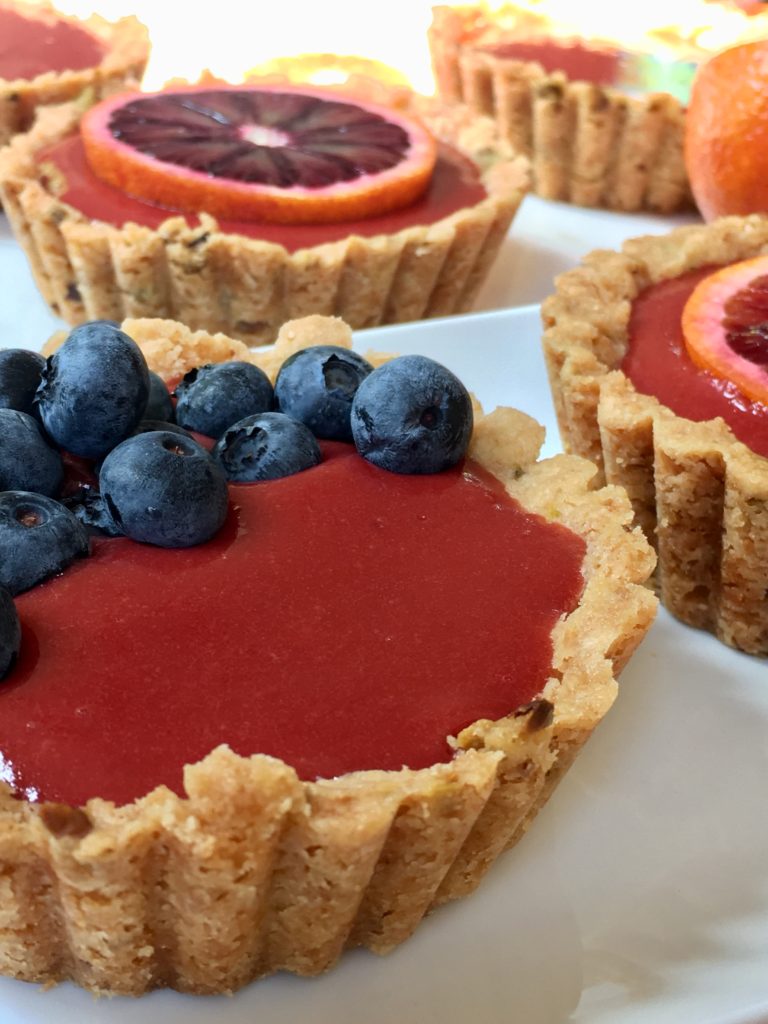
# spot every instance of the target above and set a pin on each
(126, 44)
(589, 144)
(244, 286)
(699, 494)
(255, 871)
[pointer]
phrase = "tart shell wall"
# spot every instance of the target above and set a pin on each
(700, 495)
(127, 53)
(588, 144)
(255, 871)
(226, 282)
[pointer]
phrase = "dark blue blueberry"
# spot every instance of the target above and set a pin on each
(38, 538)
(94, 390)
(90, 508)
(412, 415)
(160, 405)
(317, 385)
(147, 426)
(20, 372)
(266, 447)
(10, 633)
(27, 462)
(211, 398)
(164, 489)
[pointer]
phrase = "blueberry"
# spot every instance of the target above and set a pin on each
(94, 390)
(10, 633)
(317, 385)
(20, 372)
(90, 508)
(266, 447)
(27, 462)
(147, 426)
(160, 405)
(412, 415)
(213, 397)
(164, 489)
(38, 538)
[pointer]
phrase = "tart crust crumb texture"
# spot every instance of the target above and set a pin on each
(255, 871)
(126, 43)
(588, 144)
(700, 495)
(243, 286)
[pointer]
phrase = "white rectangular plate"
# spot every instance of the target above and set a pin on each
(640, 896)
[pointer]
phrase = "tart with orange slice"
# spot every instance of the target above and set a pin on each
(658, 359)
(495, 603)
(236, 208)
(48, 58)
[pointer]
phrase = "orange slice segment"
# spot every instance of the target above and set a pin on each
(276, 153)
(725, 325)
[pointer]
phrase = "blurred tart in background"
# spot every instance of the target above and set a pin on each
(600, 108)
(47, 57)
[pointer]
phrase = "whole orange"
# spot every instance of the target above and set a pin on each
(726, 134)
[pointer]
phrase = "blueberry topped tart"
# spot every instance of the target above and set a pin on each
(288, 668)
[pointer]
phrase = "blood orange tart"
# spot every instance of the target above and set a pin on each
(323, 204)
(657, 358)
(47, 57)
(342, 623)
(601, 120)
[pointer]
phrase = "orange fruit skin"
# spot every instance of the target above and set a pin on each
(726, 138)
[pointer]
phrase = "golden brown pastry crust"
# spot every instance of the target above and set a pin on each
(246, 287)
(126, 56)
(588, 144)
(700, 495)
(255, 871)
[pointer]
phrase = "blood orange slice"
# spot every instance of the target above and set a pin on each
(260, 152)
(725, 325)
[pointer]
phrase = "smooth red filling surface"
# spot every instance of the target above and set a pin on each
(658, 364)
(344, 618)
(455, 185)
(577, 60)
(32, 46)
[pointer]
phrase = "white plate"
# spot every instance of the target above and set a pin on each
(640, 896)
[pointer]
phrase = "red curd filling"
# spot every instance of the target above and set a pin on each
(455, 185)
(658, 364)
(31, 46)
(579, 61)
(344, 618)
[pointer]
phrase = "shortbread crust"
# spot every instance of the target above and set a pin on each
(246, 287)
(126, 56)
(256, 871)
(700, 495)
(588, 144)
